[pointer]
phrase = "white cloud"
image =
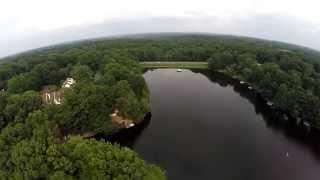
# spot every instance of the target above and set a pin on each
(33, 23)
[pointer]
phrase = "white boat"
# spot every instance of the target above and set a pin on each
(131, 125)
(179, 70)
(269, 103)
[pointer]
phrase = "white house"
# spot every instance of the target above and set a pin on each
(68, 83)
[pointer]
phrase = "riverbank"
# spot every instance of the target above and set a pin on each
(281, 114)
(125, 136)
(274, 113)
(121, 127)
(176, 64)
(214, 114)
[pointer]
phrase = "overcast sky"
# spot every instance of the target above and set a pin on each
(36, 23)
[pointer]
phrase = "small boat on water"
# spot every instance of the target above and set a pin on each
(131, 125)
(179, 70)
(269, 103)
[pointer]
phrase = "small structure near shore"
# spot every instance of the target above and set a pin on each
(121, 121)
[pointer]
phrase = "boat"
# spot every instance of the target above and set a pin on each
(131, 125)
(269, 103)
(307, 126)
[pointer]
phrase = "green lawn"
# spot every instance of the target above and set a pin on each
(175, 64)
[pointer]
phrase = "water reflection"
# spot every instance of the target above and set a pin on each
(272, 118)
(206, 126)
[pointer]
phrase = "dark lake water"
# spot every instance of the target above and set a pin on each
(204, 127)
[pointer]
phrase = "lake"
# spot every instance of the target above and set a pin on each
(204, 126)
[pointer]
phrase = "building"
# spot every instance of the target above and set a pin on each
(68, 83)
(50, 95)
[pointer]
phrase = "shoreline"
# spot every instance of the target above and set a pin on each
(121, 133)
(274, 113)
(176, 64)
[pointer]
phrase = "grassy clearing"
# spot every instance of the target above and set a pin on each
(176, 64)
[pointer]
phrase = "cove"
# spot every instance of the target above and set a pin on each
(204, 126)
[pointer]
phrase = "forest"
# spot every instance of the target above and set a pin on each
(108, 77)
(40, 139)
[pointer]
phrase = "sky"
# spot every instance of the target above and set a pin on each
(32, 24)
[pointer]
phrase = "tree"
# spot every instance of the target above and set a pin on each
(245, 61)
(88, 107)
(29, 160)
(23, 82)
(130, 107)
(221, 61)
(283, 99)
(137, 84)
(309, 107)
(247, 73)
(47, 73)
(316, 66)
(227, 58)
(216, 62)
(3, 104)
(118, 71)
(102, 160)
(82, 73)
(107, 79)
(90, 59)
(264, 56)
(19, 106)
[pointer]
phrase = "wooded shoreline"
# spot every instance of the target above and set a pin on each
(278, 113)
(175, 64)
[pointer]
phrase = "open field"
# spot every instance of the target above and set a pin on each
(175, 64)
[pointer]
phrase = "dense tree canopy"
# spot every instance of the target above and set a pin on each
(41, 140)
(31, 150)
(284, 78)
